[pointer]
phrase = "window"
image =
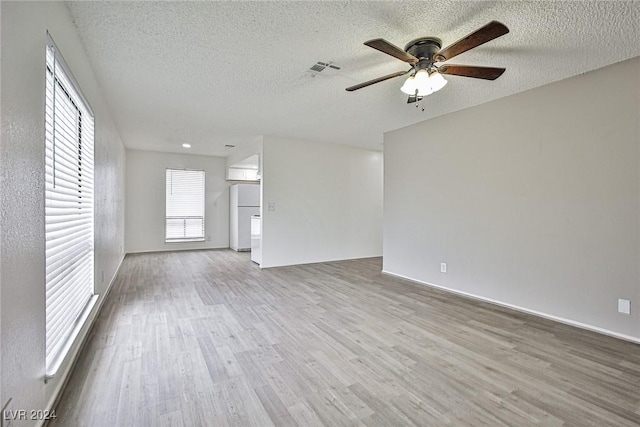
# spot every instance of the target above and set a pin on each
(69, 241)
(185, 206)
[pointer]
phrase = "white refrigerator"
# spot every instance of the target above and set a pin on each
(244, 203)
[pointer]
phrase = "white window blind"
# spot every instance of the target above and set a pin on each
(185, 206)
(69, 241)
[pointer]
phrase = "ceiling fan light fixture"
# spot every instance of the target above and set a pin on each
(418, 84)
(437, 81)
(423, 83)
(409, 86)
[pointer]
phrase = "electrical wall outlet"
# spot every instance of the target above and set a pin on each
(443, 267)
(624, 306)
(271, 206)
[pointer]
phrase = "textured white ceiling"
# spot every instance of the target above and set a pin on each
(216, 73)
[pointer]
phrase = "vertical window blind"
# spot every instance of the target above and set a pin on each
(185, 206)
(69, 240)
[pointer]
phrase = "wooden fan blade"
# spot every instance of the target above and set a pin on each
(378, 80)
(492, 30)
(390, 49)
(414, 98)
(487, 73)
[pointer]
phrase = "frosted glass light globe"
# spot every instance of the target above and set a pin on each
(437, 81)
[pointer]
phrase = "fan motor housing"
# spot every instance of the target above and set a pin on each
(424, 47)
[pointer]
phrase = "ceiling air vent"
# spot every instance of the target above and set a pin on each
(320, 66)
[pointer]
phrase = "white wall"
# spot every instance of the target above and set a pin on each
(24, 26)
(328, 202)
(533, 200)
(145, 216)
(1, 226)
(246, 150)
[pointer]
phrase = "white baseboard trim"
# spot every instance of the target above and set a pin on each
(320, 262)
(558, 319)
(151, 251)
(56, 394)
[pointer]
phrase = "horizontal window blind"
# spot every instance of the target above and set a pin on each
(69, 240)
(184, 206)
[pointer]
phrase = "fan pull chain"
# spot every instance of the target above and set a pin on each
(420, 103)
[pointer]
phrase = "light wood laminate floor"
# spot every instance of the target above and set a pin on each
(206, 338)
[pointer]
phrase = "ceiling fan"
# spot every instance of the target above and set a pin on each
(423, 54)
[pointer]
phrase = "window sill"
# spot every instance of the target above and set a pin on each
(53, 369)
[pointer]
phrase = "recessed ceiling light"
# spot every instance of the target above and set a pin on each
(186, 145)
